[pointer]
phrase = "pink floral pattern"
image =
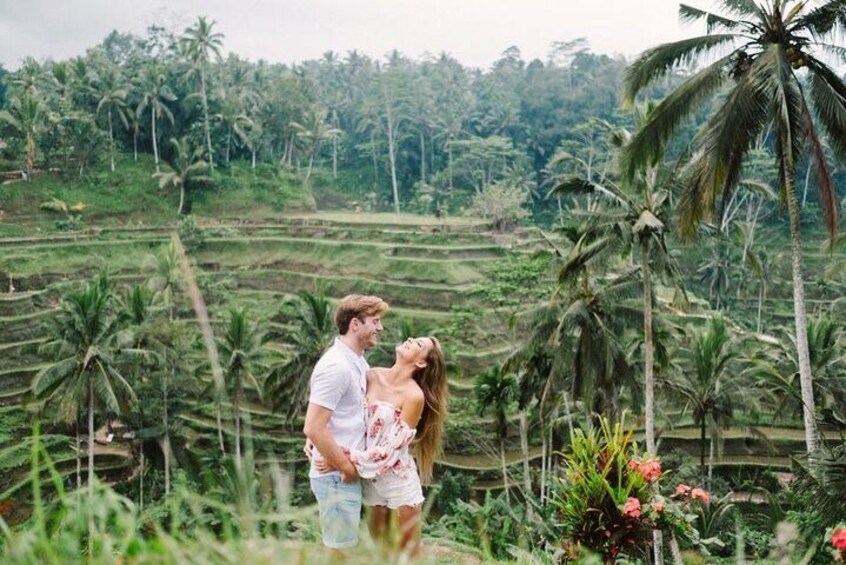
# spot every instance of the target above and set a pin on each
(388, 438)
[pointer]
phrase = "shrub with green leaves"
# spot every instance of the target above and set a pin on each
(608, 498)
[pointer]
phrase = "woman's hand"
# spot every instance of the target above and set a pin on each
(323, 466)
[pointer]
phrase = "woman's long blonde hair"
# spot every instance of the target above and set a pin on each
(430, 430)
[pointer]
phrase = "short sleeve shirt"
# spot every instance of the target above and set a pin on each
(338, 383)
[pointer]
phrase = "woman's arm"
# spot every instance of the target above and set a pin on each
(381, 457)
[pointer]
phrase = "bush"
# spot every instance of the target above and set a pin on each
(608, 499)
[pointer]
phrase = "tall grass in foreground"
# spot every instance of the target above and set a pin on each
(233, 512)
(242, 519)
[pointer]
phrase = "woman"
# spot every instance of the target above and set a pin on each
(406, 406)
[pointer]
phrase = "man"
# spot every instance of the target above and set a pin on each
(335, 417)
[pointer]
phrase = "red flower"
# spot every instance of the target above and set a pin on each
(700, 494)
(632, 507)
(838, 539)
(651, 469)
(658, 506)
(682, 490)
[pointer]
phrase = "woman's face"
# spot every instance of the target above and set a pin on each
(415, 350)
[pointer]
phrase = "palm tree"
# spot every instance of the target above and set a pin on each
(636, 214)
(242, 346)
(310, 316)
(111, 97)
(24, 115)
(495, 390)
(313, 131)
(155, 93)
(595, 313)
(707, 383)
(233, 117)
(85, 371)
(199, 43)
(778, 366)
(769, 43)
(187, 169)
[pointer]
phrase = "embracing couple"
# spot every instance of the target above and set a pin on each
(368, 425)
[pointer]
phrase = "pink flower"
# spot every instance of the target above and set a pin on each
(700, 494)
(658, 506)
(632, 507)
(838, 539)
(632, 464)
(682, 490)
(650, 469)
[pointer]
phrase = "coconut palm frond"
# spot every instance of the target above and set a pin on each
(646, 146)
(713, 22)
(828, 94)
(658, 61)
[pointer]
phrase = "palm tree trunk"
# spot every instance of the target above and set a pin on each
(90, 461)
(702, 444)
(805, 377)
(111, 141)
(760, 304)
(220, 428)
(90, 436)
(206, 118)
(504, 469)
(166, 443)
(392, 157)
(422, 157)
(181, 197)
(649, 371)
(524, 449)
(236, 408)
(310, 164)
(78, 457)
(649, 377)
(155, 143)
(141, 481)
(228, 144)
(449, 163)
(710, 462)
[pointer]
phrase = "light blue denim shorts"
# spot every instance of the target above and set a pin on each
(340, 510)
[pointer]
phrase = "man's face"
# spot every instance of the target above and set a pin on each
(368, 330)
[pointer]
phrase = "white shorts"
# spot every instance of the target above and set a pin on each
(393, 491)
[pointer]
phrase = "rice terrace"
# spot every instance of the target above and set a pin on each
(631, 265)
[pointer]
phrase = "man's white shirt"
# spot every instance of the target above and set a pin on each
(339, 383)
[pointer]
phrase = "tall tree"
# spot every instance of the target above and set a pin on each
(111, 97)
(24, 115)
(200, 43)
(85, 371)
(187, 169)
(242, 347)
(155, 94)
(310, 316)
(775, 80)
(312, 132)
(495, 391)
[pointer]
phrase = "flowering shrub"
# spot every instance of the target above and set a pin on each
(608, 499)
(837, 537)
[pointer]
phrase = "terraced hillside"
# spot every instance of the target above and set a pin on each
(429, 271)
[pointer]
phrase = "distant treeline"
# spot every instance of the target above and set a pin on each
(420, 135)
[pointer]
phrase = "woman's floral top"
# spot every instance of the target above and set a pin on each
(388, 438)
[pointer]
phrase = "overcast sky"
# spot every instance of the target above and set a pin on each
(475, 32)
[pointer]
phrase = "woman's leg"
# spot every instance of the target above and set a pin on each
(380, 521)
(409, 527)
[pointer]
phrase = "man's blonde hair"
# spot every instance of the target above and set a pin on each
(357, 306)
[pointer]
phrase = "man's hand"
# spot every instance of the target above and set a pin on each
(308, 449)
(348, 472)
